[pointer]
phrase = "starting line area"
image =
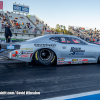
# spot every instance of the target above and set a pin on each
(93, 95)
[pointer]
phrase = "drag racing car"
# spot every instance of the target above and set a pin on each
(47, 49)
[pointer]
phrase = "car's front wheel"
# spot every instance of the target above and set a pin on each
(44, 57)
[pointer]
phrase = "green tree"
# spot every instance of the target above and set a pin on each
(52, 29)
(57, 29)
(61, 29)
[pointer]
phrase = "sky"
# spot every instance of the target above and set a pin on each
(80, 13)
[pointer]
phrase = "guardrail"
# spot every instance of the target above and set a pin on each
(13, 30)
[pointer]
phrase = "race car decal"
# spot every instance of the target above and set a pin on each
(53, 59)
(36, 55)
(26, 48)
(67, 61)
(25, 52)
(64, 61)
(60, 61)
(76, 51)
(10, 47)
(61, 58)
(28, 52)
(13, 55)
(85, 60)
(63, 40)
(79, 61)
(25, 55)
(17, 55)
(21, 53)
(72, 61)
(45, 45)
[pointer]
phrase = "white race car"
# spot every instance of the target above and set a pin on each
(47, 49)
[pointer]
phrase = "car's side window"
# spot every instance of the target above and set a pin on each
(65, 40)
(72, 40)
(56, 39)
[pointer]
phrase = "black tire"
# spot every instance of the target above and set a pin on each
(44, 57)
(99, 59)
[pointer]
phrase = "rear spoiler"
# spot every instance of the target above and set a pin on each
(9, 46)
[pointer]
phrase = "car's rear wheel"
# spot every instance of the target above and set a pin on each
(44, 57)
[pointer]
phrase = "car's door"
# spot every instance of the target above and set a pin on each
(75, 48)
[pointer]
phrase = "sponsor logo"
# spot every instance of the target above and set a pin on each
(24, 52)
(26, 48)
(84, 59)
(74, 62)
(79, 59)
(79, 53)
(27, 52)
(25, 9)
(16, 7)
(61, 58)
(36, 55)
(76, 51)
(21, 8)
(19, 53)
(53, 59)
(44, 45)
(86, 62)
(69, 62)
(17, 56)
(74, 59)
(25, 55)
(13, 55)
(10, 47)
(79, 62)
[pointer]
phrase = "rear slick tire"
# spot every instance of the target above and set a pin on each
(44, 57)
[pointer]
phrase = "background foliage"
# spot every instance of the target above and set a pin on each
(61, 29)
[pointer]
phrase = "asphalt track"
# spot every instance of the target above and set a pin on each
(50, 81)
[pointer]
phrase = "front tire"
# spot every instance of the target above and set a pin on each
(44, 57)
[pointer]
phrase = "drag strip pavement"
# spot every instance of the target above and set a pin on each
(51, 81)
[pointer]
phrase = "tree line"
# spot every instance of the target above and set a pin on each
(61, 29)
